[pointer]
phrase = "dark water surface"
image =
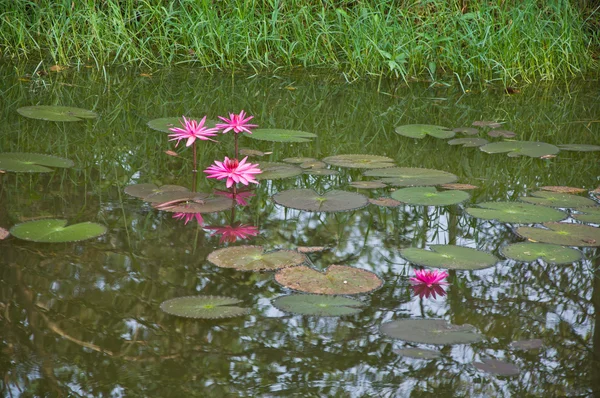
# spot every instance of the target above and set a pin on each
(83, 319)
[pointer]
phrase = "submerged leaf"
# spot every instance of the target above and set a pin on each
(56, 113)
(553, 254)
(431, 331)
(429, 196)
(253, 258)
(54, 231)
(309, 200)
(421, 130)
(515, 212)
(450, 257)
(318, 305)
(360, 161)
(337, 279)
(204, 307)
(31, 162)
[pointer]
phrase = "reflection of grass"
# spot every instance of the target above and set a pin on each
(524, 40)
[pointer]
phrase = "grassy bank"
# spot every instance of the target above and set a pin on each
(508, 40)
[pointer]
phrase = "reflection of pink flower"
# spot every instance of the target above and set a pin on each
(231, 233)
(237, 123)
(234, 170)
(188, 217)
(429, 278)
(240, 197)
(191, 131)
(424, 291)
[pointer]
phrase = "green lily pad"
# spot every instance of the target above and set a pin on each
(521, 148)
(466, 130)
(318, 305)
(418, 353)
(496, 367)
(360, 161)
(281, 135)
(253, 258)
(204, 307)
(468, 142)
(367, 184)
(553, 254)
(501, 133)
(412, 176)
(276, 171)
(487, 123)
(579, 147)
(56, 113)
(54, 231)
(526, 345)
(251, 152)
(201, 203)
(337, 279)
(555, 199)
(146, 190)
(588, 214)
(165, 123)
(321, 172)
(429, 196)
(431, 331)
(313, 164)
(31, 162)
(309, 200)
(562, 234)
(515, 212)
(421, 130)
(299, 160)
(450, 257)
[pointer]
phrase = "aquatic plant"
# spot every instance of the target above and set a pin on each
(429, 277)
(231, 233)
(234, 171)
(239, 124)
(189, 217)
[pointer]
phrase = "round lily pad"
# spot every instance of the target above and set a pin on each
(496, 367)
(253, 258)
(204, 307)
(281, 135)
(412, 176)
(529, 251)
(318, 305)
(501, 133)
(54, 231)
(562, 234)
(309, 200)
(588, 214)
(275, 171)
(515, 212)
(165, 123)
(56, 113)
(521, 148)
(579, 147)
(201, 204)
(468, 142)
(367, 184)
(526, 345)
(431, 331)
(466, 130)
(487, 123)
(337, 279)
(360, 161)
(175, 197)
(313, 164)
(418, 353)
(450, 257)
(555, 199)
(385, 202)
(31, 162)
(421, 130)
(145, 190)
(321, 172)
(429, 196)
(299, 160)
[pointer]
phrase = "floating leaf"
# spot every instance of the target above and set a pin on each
(515, 212)
(521, 148)
(165, 123)
(589, 214)
(385, 202)
(360, 161)
(204, 307)
(554, 199)
(579, 147)
(367, 184)
(253, 258)
(418, 353)
(275, 171)
(56, 113)
(313, 164)
(526, 345)
(299, 160)
(466, 130)
(411, 176)
(174, 198)
(429, 196)
(202, 205)
(309, 200)
(501, 133)
(318, 305)
(496, 367)
(563, 189)
(337, 279)
(468, 142)
(321, 172)
(145, 190)
(431, 331)
(562, 234)
(311, 249)
(450, 257)
(54, 231)
(421, 130)
(460, 187)
(251, 152)
(487, 123)
(281, 135)
(31, 162)
(553, 254)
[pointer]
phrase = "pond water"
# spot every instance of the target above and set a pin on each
(85, 318)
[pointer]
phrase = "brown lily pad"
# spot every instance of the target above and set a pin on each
(487, 123)
(466, 130)
(460, 187)
(560, 189)
(496, 367)
(337, 279)
(385, 202)
(501, 133)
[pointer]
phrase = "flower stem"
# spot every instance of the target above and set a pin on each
(195, 168)
(236, 145)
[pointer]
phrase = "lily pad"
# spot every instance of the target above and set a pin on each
(496, 367)
(588, 214)
(418, 353)
(165, 123)
(367, 184)
(253, 258)
(251, 152)
(431, 331)
(421, 130)
(579, 147)
(468, 142)
(202, 204)
(429, 196)
(526, 345)
(412, 176)
(145, 190)
(56, 113)
(450, 257)
(54, 231)
(337, 279)
(204, 307)
(281, 135)
(321, 172)
(501, 133)
(309, 200)
(555, 199)
(466, 130)
(562, 234)
(31, 162)
(460, 187)
(385, 202)
(515, 212)
(313, 164)
(360, 161)
(561, 189)
(553, 254)
(521, 148)
(276, 171)
(486, 123)
(318, 305)
(299, 160)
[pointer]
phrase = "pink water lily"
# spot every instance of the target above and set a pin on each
(192, 130)
(429, 278)
(189, 217)
(424, 291)
(231, 233)
(237, 123)
(234, 170)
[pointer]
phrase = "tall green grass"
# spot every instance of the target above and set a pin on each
(491, 39)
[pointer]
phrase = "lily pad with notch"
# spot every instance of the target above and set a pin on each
(164, 124)
(418, 353)
(145, 190)
(554, 199)
(550, 253)
(337, 279)
(429, 196)
(56, 231)
(468, 142)
(56, 113)
(579, 147)
(20, 162)
(360, 161)
(421, 130)
(412, 176)
(318, 305)
(204, 307)
(310, 200)
(589, 214)
(521, 148)
(496, 367)
(450, 257)
(515, 212)
(562, 234)
(254, 258)
(281, 135)
(431, 331)
(276, 171)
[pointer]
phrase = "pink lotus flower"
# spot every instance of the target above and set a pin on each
(192, 130)
(231, 233)
(189, 217)
(237, 123)
(429, 278)
(234, 170)
(240, 196)
(424, 291)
